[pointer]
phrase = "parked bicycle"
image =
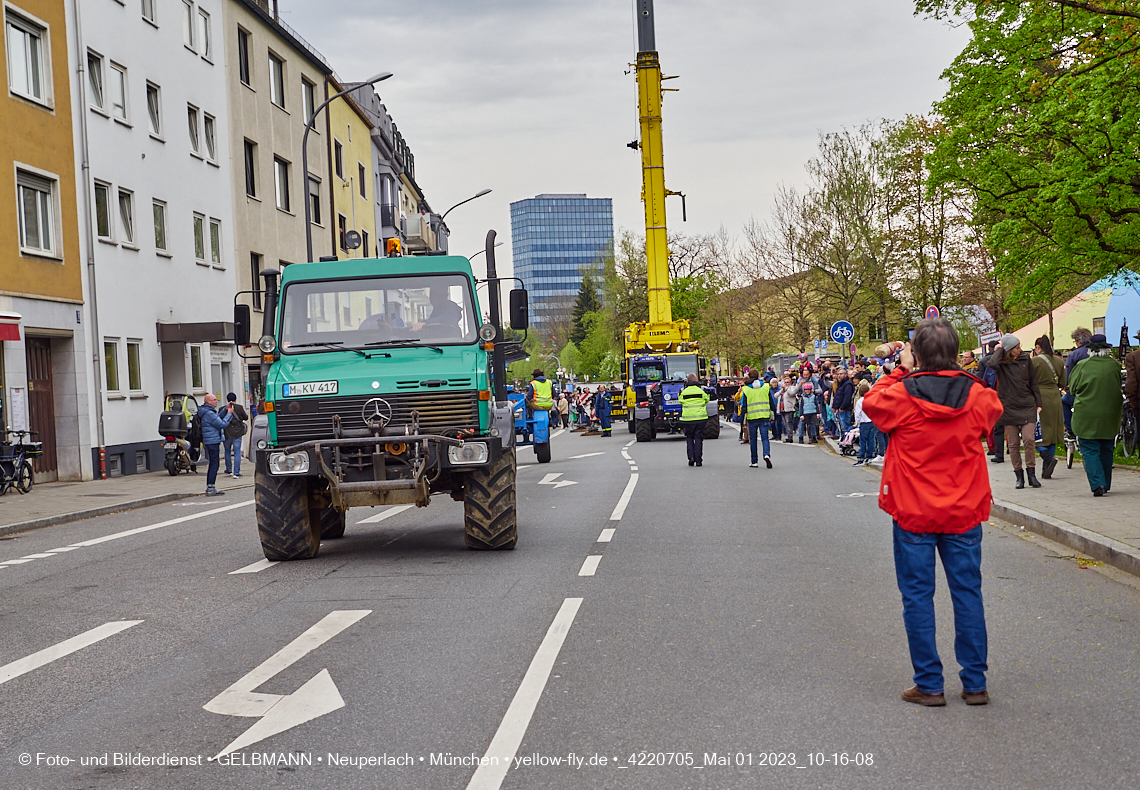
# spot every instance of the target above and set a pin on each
(15, 468)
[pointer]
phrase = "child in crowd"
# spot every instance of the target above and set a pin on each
(868, 433)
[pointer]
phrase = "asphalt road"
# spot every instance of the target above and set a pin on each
(735, 618)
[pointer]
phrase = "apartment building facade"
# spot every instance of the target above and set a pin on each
(149, 97)
(351, 176)
(43, 359)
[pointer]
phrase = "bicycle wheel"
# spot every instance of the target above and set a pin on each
(25, 478)
(1128, 431)
(1070, 453)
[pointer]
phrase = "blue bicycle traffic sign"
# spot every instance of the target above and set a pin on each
(842, 332)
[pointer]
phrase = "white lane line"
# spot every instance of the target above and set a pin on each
(590, 566)
(256, 567)
(627, 444)
(633, 469)
(491, 772)
(160, 525)
(16, 562)
(63, 548)
(66, 647)
(37, 556)
(385, 514)
(586, 455)
(607, 535)
(619, 510)
(557, 433)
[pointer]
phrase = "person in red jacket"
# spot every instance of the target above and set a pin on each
(936, 487)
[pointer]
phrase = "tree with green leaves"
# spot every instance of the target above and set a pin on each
(1043, 131)
(587, 302)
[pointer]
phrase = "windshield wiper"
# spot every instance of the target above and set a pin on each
(333, 344)
(402, 342)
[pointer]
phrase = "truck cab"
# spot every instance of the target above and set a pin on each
(653, 389)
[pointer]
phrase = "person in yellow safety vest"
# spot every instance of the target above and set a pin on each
(540, 393)
(757, 405)
(694, 415)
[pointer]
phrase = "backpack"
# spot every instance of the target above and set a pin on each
(236, 428)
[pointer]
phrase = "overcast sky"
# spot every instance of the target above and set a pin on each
(531, 96)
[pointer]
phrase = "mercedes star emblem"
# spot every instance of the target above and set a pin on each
(377, 412)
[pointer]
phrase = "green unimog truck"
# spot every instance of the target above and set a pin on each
(380, 382)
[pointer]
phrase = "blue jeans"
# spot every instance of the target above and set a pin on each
(914, 567)
(844, 418)
(1097, 456)
(778, 422)
(232, 447)
(758, 426)
(1047, 451)
(810, 424)
(868, 436)
(1067, 401)
(212, 470)
(881, 440)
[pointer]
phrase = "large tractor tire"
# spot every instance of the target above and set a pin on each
(332, 523)
(489, 518)
(644, 431)
(287, 527)
(712, 428)
(543, 452)
(631, 424)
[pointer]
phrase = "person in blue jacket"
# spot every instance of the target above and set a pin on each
(602, 409)
(213, 431)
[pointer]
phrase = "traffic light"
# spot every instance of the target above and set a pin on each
(392, 248)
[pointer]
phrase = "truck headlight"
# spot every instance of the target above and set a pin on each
(267, 344)
(291, 464)
(469, 453)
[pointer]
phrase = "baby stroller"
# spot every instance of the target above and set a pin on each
(849, 444)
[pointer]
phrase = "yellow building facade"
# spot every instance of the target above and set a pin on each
(43, 378)
(350, 177)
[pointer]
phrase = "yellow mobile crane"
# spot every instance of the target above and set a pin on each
(658, 352)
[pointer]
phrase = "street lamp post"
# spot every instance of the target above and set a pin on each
(479, 194)
(305, 157)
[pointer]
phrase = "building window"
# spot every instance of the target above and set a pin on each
(342, 231)
(148, 11)
(153, 109)
(314, 201)
(95, 79)
(196, 382)
(364, 243)
(36, 212)
(308, 100)
(216, 242)
(277, 81)
(103, 211)
(25, 58)
(209, 131)
(111, 363)
(250, 168)
(281, 183)
(188, 23)
(159, 211)
(204, 43)
(363, 180)
(192, 119)
(255, 278)
(119, 91)
(243, 56)
(134, 365)
(199, 238)
(338, 158)
(127, 215)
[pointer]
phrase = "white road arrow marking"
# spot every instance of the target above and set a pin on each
(551, 479)
(282, 712)
(256, 567)
(586, 455)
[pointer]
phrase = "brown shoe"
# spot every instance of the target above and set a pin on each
(976, 697)
(912, 694)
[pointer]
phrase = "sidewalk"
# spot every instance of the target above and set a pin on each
(1064, 510)
(59, 503)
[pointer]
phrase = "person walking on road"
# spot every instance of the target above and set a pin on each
(1021, 401)
(1097, 404)
(564, 410)
(694, 415)
(233, 433)
(213, 431)
(936, 488)
(757, 403)
(1050, 372)
(602, 410)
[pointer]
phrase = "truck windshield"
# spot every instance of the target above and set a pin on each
(419, 309)
(650, 372)
(681, 365)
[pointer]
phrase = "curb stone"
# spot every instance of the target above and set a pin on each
(1088, 543)
(80, 515)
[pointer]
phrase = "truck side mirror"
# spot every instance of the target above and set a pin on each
(520, 310)
(241, 324)
(702, 367)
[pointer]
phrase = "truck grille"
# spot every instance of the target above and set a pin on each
(304, 419)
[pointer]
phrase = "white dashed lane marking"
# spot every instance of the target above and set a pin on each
(64, 648)
(385, 514)
(619, 510)
(607, 535)
(590, 566)
(256, 567)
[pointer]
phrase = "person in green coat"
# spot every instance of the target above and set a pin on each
(1098, 401)
(1050, 371)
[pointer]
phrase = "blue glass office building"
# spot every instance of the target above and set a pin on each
(556, 239)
